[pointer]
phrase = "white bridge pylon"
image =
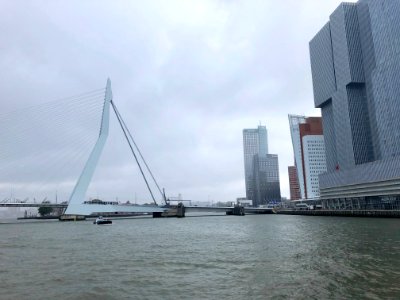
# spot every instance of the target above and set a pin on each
(76, 205)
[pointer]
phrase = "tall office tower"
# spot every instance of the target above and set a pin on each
(294, 183)
(313, 155)
(294, 122)
(266, 179)
(309, 153)
(254, 142)
(355, 70)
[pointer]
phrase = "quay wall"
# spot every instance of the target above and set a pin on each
(344, 213)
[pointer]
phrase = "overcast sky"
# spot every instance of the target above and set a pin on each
(187, 77)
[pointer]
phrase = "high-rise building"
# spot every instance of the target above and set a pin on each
(355, 70)
(266, 179)
(309, 153)
(255, 141)
(313, 155)
(294, 183)
(294, 122)
(261, 169)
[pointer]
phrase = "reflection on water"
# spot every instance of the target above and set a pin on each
(229, 257)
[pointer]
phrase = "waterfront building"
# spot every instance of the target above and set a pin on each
(355, 71)
(255, 141)
(266, 179)
(294, 122)
(294, 183)
(309, 153)
(313, 155)
(261, 168)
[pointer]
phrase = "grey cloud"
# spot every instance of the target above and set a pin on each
(187, 76)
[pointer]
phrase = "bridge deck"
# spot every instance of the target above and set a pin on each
(54, 205)
(88, 209)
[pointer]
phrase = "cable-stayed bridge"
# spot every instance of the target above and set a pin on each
(60, 135)
(58, 145)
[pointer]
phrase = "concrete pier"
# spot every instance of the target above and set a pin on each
(177, 211)
(237, 210)
(180, 211)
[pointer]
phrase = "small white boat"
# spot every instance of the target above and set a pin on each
(102, 221)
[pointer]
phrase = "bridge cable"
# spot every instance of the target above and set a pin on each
(26, 136)
(133, 152)
(138, 150)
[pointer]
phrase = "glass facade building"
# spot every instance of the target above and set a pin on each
(266, 179)
(355, 70)
(255, 141)
(261, 169)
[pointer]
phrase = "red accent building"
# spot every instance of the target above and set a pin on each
(312, 126)
(293, 183)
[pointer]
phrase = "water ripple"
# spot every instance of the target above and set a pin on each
(252, 257)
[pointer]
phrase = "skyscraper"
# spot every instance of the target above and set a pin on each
(266, 179)
(355, 70)
(261, 169)
(254, 142)
(309, 153)
(294, 122)
(313, 155)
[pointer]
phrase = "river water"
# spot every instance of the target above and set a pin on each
(224, 257)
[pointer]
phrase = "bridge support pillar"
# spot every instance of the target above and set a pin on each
(180, 211)
(157, 215)
(237, 210)
(174, 211)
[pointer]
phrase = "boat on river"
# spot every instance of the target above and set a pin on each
(102, 221)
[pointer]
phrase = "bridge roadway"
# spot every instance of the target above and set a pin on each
(247, 210)
(29, 204)
(101, 208)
